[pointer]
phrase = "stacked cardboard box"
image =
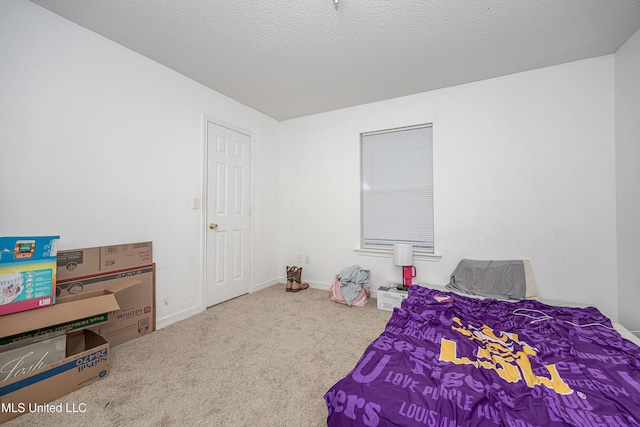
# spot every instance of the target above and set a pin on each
(91, 269)
(86, 358)
(105, 296)
(21, 357)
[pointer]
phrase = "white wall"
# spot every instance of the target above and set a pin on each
(524, 167)
(103, 146)
(628, 179)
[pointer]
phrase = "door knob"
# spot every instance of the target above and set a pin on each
(213, 226)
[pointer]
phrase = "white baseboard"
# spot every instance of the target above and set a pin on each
(315, 285)
(282, 281)
(266, 284)
(161, 323)
(320, 285)
(323, 286)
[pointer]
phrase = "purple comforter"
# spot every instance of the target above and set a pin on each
(446, 360)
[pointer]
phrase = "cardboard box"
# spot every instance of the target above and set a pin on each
(21, 357)
(90, 269)
(87, 353)
(137, 313)
(136, 316)
(27, 273)
(389, 297)
(80, 263)
(87, 361)
(70, 312)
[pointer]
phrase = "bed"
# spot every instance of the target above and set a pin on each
(448, 360)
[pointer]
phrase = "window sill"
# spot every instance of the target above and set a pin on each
(388, 253)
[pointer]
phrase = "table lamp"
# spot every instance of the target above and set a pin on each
(403, 256)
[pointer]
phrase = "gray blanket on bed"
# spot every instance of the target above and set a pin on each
(494, 279)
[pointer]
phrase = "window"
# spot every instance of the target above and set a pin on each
(397, 188)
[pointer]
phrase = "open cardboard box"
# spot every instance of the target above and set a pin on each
(70, 312)
(87, 353)
(87, 361)
(91, 269)
(21, 357)
(136, 316)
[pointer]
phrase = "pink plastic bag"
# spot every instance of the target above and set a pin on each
(335, 295)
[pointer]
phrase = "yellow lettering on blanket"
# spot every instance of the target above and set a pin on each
(500, 354)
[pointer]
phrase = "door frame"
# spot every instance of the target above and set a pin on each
(204, 198)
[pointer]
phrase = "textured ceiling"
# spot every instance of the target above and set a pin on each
(291, 58)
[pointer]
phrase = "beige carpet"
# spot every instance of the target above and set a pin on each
(263, 359)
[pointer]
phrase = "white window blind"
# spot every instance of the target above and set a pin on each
(397, 188)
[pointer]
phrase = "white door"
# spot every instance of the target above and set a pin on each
(228, 227)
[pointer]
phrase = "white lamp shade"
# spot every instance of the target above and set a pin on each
(403, 254)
